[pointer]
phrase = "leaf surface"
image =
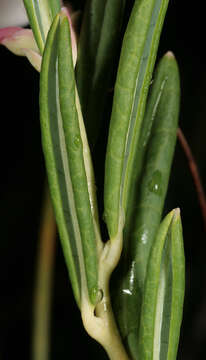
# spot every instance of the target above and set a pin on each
(134, 75)
(161, 313)
(147, 195)
(41, 14)
(68, 162)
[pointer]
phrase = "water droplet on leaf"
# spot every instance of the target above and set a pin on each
(126, 292)
(77, 141)
(144, 237)
(97, 295)
(155, 182)
(100, 295)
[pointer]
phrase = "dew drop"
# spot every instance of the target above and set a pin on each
(155, 182)
(144, 237)
(97, 295)
(77, 141)
(100, 295)
(127, 292)
(130, 285)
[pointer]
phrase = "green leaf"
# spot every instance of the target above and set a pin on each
(148, 190)
(161, 313)
(134, 74)
(41, 14)
(163, 112)
(68, 162)
(97, 50)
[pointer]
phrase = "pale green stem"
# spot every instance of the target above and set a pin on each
(43, 286)
(99, 320)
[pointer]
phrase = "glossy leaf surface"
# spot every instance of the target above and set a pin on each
(155, 153)
(163, 297)
(134, 74)
(97, 51)
(41, 14)
(162, 112)
(68, 161)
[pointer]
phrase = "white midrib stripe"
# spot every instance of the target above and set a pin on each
(46, 20)
(89, 175)
(132, 120)
(159, 315)
(69, 188)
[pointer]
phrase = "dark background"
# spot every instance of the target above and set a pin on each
(22, 183)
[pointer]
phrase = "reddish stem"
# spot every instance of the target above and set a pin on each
(194, 172)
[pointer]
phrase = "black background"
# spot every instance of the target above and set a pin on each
(22, 183)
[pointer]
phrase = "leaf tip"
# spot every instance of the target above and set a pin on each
(65, 14)
(176, 216)
(170, 55)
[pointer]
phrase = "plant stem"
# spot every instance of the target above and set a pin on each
(43, 286)
(99, 320)
(195, 174)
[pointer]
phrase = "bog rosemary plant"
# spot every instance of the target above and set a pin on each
(136, 314)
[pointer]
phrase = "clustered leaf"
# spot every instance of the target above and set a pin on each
(147, 194)
(148, 285)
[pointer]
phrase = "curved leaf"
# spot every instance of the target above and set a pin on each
(134, 74)
(161, 313)
(163, 112)
(146, 200)
(41, 14)
(68, 162)
(98, 46)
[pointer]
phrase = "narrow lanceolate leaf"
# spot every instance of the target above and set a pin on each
(161, 312)
(163, 112)
(98, 47)
(40, 14)
(148, 190)
(134, 74)
(68, 162)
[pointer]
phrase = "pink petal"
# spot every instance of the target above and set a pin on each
(8, 32)
(16, 39)
(21, 42)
